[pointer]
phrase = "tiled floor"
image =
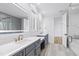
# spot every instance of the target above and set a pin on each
(57, 50)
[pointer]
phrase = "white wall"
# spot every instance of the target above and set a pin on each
(48, 27)
(74, 24)
(74, 30)
(58, 26)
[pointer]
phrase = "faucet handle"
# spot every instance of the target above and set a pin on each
(21, 37)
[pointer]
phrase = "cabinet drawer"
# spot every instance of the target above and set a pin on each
(29, 48)
(31, 53)
(46, 42)
(38, 51)
(46, 39)
(20, 53)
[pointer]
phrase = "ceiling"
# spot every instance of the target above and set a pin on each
(13, 10)
(52, 9)
(57, 9)
(47, 9)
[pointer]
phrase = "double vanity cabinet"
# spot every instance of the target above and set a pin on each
(30, 46)
(35, 48)
(31, 50)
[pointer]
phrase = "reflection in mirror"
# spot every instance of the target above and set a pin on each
(9, 23)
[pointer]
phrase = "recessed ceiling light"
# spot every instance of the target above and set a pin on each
(74, 8)
(43, 12)
(38, 3)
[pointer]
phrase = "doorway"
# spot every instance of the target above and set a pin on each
(60, 29)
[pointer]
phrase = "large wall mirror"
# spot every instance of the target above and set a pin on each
(10, 24)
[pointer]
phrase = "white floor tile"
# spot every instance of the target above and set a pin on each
(57, 50)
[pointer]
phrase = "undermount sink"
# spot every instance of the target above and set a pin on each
(24, 39)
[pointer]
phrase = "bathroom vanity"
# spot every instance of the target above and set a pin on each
(27, 47)
(31, 50)
(30, 46)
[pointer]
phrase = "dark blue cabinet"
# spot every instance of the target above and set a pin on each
(37, 48)
(45, 38)
(31, 50)
(20, 53)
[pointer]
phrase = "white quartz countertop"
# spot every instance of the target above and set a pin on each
(41, 38)
(43, 34)
(13, 47)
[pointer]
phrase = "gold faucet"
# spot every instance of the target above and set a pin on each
(20, 37)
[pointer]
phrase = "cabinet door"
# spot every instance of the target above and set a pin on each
(38, 51)
(46, 39)
(31, 53)
(29, 49)
(37, 48)
(20, 53)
